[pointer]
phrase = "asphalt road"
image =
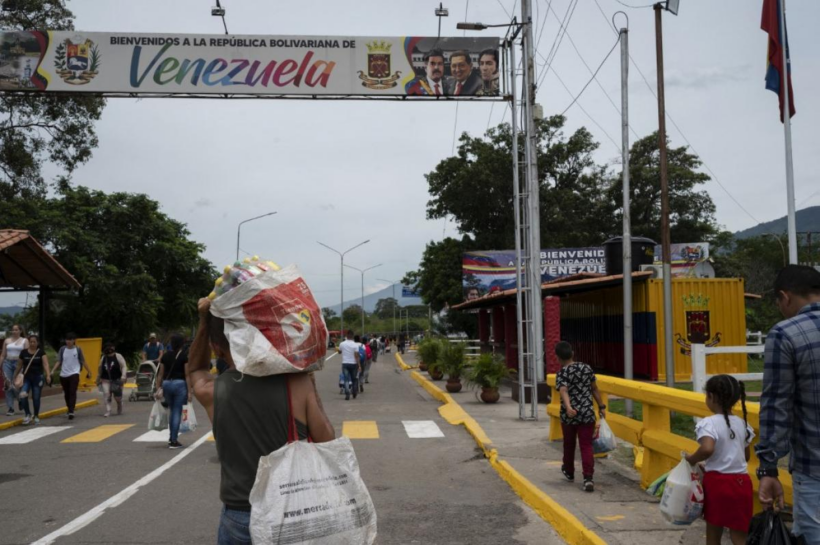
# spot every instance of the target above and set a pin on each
(427, 490)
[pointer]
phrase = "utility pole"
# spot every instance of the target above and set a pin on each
(666, 243)
(533, 316)
(626, 241)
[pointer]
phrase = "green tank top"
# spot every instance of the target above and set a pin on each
(250, 421)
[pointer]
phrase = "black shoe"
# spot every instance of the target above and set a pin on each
(347, 397)
(570, 477)
(361, 387)
(367, 382)
(354, 395)
(174, 445)
(10, 412)
(71, 416)
(589, 486)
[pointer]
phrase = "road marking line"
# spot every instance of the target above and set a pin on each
(32, 435)
(98, 434)
(360, 429)
(421, 429)
(153, 436)
(613, 518)
(84, 520)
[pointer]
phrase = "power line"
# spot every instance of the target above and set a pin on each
(574, 100)
(671, 120)
(560, 39)
(614, 143)
(580, 56)
(635, 7)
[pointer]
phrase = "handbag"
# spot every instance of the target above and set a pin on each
(20, 379)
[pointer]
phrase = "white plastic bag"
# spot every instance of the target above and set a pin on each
(604, 440)
(682, 501)
(158, 420)
(273, 324)
(188, 422)
(311, 494)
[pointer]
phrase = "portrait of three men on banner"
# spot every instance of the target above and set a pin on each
(452, 67)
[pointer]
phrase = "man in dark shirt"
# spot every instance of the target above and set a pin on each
(153, 349)
(577, 386)
(253, 424)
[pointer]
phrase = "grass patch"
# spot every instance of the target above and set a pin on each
(681, 424)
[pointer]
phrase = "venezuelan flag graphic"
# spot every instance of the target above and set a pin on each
(770, 24)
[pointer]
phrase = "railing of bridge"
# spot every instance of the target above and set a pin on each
(661, 448)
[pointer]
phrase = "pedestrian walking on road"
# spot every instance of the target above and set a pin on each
(401, 343)
(9, 354)
(374, 348)
(724, 446)
(250, 417)
(351, 365)
(174, 384)
(111, 376)
(70, 360)
(577, 385)
(789, 407)
(33, 365)
(367, 361)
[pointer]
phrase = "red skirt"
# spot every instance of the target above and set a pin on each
(728, 501)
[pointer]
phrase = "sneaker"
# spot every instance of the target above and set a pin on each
(354, 395)
(10, 412)
(347, 397)
(361, 387)
(589, 486)
(174, 445)
(569, 476)
(367, 382)
(27, 420)
(36, 420)
(71, 416)
(107, 414)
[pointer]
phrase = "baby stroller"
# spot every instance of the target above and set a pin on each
(146, 382)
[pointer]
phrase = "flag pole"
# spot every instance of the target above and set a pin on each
(787, 127)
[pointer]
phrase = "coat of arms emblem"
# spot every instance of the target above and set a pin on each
(698, 324)
(378, 67)
(77, 63)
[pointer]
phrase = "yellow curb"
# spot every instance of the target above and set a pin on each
(404, 366)
(564, 522)
(47, 414)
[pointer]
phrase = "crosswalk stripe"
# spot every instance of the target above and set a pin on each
(153, 436)
(421, 429)
(360, 429)
(32, 435)
(100, 433)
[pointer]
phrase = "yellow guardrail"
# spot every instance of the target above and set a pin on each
(661, 448)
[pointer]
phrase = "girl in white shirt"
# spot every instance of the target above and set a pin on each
(9, 354)
(724, 447)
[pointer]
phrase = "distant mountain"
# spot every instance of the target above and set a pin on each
(807, 219)
(371, 300)
(11, 310)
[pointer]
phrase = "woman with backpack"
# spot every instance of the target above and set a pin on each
(111, 377)
(70, 361)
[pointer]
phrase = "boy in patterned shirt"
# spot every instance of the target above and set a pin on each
(576, 384)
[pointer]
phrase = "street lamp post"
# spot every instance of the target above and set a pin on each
(239, 228)
(782, 248)
(395, 301)
(342, 256)
(362, 271)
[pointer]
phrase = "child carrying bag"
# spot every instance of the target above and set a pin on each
(682, 501)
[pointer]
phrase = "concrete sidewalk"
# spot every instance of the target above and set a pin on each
(54, 406)
(619, 511)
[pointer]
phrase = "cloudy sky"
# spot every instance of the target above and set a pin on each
(343, 172)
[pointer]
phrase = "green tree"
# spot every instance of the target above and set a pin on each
(353, 317)
(439, 274)
(138, 268)
(328, 313)
(36, 128)
(475, 188)
(692, 212)
(385, 308)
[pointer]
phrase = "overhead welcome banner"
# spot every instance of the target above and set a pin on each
(95, 62)
(487, 272)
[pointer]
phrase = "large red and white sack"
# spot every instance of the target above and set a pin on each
(273, 324)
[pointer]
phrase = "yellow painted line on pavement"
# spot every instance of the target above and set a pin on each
(100, 433)
(49, 414)
(565, 523)
(360, 429)
(211, 437)
(613, 518)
